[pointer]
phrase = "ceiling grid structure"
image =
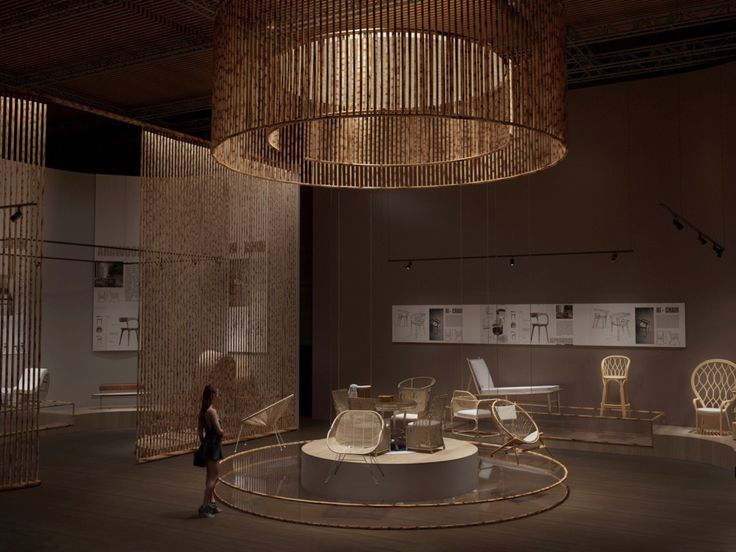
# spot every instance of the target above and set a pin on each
(152, 59)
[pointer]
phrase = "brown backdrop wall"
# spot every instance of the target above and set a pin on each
(631, 146)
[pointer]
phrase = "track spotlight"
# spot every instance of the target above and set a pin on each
(16, 215)
(702, 239)
(678, 223)
(614, 256)
(512, 263)
(718, 249)
(409, 265)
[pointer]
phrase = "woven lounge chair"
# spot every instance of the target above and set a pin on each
(356, 433)
(267, 418)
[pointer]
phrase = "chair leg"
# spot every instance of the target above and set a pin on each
(622, 397)
(604, 396)
(237, 442)
(338, 463)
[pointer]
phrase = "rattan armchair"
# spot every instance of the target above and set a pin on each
(356, 433)
(417, 389)
(714, 385)
(425, 433)
(518, 428)
(466, 407)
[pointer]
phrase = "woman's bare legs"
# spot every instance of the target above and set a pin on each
(209, 487)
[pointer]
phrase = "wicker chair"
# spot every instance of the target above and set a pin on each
(465, 406)
(425, 433)
(517, 426)
(615, 369)
(267, 418)
(356, 433)
(416, 389)
(340, 400)
(714, 385)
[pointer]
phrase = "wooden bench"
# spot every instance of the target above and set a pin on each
(117, 390)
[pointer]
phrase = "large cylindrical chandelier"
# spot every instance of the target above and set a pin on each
(389, 93)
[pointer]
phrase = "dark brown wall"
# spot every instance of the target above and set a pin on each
(631, 146)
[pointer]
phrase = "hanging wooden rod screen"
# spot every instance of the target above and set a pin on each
(226, 312)
(22, 158)
(389, 93)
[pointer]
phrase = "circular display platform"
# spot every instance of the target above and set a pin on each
(402, 476)
(267, 482)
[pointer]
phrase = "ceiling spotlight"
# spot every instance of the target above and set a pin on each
(678, 223)
(15, 216)
(702, 239)
(512, 263)
(718, 249)
(409, 265)
(614, 256)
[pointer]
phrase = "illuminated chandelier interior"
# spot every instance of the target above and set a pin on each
(389, 93)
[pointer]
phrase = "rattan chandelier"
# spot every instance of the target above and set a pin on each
(389, 93)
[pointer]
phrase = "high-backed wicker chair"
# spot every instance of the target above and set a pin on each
(425, 433)
(465, 406)
(33, 379)
(615, 369)
(356, 433)
(416, 389)
(714, 385)
(519, 429)
(267, 418)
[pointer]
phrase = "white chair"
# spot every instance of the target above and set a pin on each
(481, 378)
(267, 418)
(466, 406)
(33, 380)
(714, 385)
(356, 433)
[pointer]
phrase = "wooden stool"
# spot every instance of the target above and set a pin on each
(615, 368)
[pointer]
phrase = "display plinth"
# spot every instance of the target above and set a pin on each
(407, 475)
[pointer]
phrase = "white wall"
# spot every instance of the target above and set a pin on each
(66, 334)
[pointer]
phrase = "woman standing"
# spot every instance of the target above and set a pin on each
(210, 437)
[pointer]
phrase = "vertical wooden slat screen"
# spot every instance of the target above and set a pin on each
(22, 158)
(218, 294)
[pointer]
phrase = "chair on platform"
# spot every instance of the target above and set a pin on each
(361, 403)
(615, 369)
(518, 428)
(33, 380)
(714, 385)
(356, 433)
(425, 433)
(267, 418)
(465, 406)
(481, 378)
(340, 400)
(417, 389)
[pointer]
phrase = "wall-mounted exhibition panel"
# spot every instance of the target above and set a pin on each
(601, 324)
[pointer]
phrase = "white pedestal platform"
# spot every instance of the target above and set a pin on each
(408, 476)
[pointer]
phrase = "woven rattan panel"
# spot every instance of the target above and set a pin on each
(218, 294)
(22, 148)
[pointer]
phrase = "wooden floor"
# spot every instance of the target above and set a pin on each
(94, 497)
